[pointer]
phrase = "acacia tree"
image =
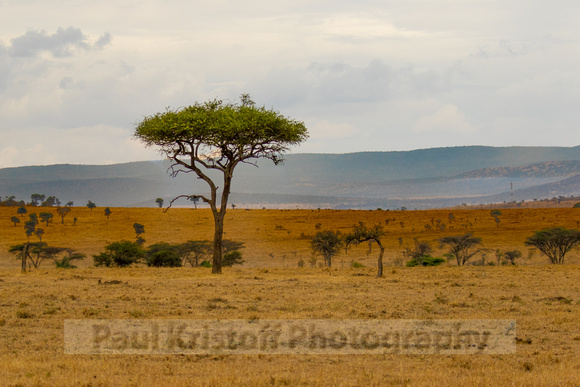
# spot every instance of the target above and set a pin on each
(460, 247)
(361, 233)
(217, 136)
(327, 244)
(555, 242)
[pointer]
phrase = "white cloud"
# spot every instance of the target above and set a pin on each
(448, 119)
(326, 129)
(366, 75)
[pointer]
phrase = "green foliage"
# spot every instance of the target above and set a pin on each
(555, 242)
(15, 220)
(164, 258)
(30, 227)
(66, 261)
(205, 264)
(91, 205)
(46, 217)
(577, 205)
(50, 201)
(36, 198)
(21, 210)
(232, 258)
(356, 265)
(159, 202)
(119, 254)
(34, 218)
(327, 244)
(425, 261)
(108, 212)
(139, 229)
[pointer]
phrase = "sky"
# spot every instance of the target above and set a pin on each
(76, 76)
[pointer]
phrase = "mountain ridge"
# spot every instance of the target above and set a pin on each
(357, 180)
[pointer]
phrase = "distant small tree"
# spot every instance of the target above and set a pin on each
(30, 228)
(50, 201)
(327, 244)
(15, 220)
(195, 200)
(46, 217)
(21, 211)
(361, 233)
(461, 247)
(62, 212)
(139, 229)
(107, 212)
(69, 204)
(39, 233)
(34, 218)
(555, 242)
(159, 202)
(91, 205)
(9, 202)
(35, 199)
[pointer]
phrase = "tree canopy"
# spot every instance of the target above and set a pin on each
(555, 242)
(361, 233)
(460, 247)
(217, 136)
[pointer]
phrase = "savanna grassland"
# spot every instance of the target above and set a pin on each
(544, 299)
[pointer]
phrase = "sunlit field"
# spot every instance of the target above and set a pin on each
(544, 299)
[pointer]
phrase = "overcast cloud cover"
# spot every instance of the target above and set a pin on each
(75, 75)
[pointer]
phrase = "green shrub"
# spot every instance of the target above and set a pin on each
(577, 205)
(205, 264)
(425, 261)
(164, 258)
(356, 265)
(119, 254)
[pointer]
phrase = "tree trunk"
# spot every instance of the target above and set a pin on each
(24, 255)
(217, 243)
(380, 263)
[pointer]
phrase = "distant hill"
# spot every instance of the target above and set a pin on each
(538, 170)
(415, 179)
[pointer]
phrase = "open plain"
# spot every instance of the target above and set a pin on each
(544, 299)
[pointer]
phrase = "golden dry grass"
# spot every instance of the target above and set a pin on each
(280, 238)
(543, 299)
